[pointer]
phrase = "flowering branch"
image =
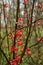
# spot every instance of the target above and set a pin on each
(29, 32)
(16, 25)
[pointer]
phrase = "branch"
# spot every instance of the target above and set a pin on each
(36, 43)
(28, 33)
(16, 25)
(32, 23)
(4, 55)
(37, 20)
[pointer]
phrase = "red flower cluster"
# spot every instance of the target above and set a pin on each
(25, 2)
(5, 5)
(13, 49)
(19, 43)
(19, 40)
(28, 51)
(15, 61)
(18, 33)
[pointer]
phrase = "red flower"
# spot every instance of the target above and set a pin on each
(20, 39)
(29, 52)
(25, 2)
(5, 5)
(17, 58)
(42, 8)
(42, 40)
(16, 49)
(19, 43)
(15, 52)
(38, 22)
(39, 5)
(13, 62)
(17, 30)
(28, 49)
(18, 33)
(12, 49)
(19, 19)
